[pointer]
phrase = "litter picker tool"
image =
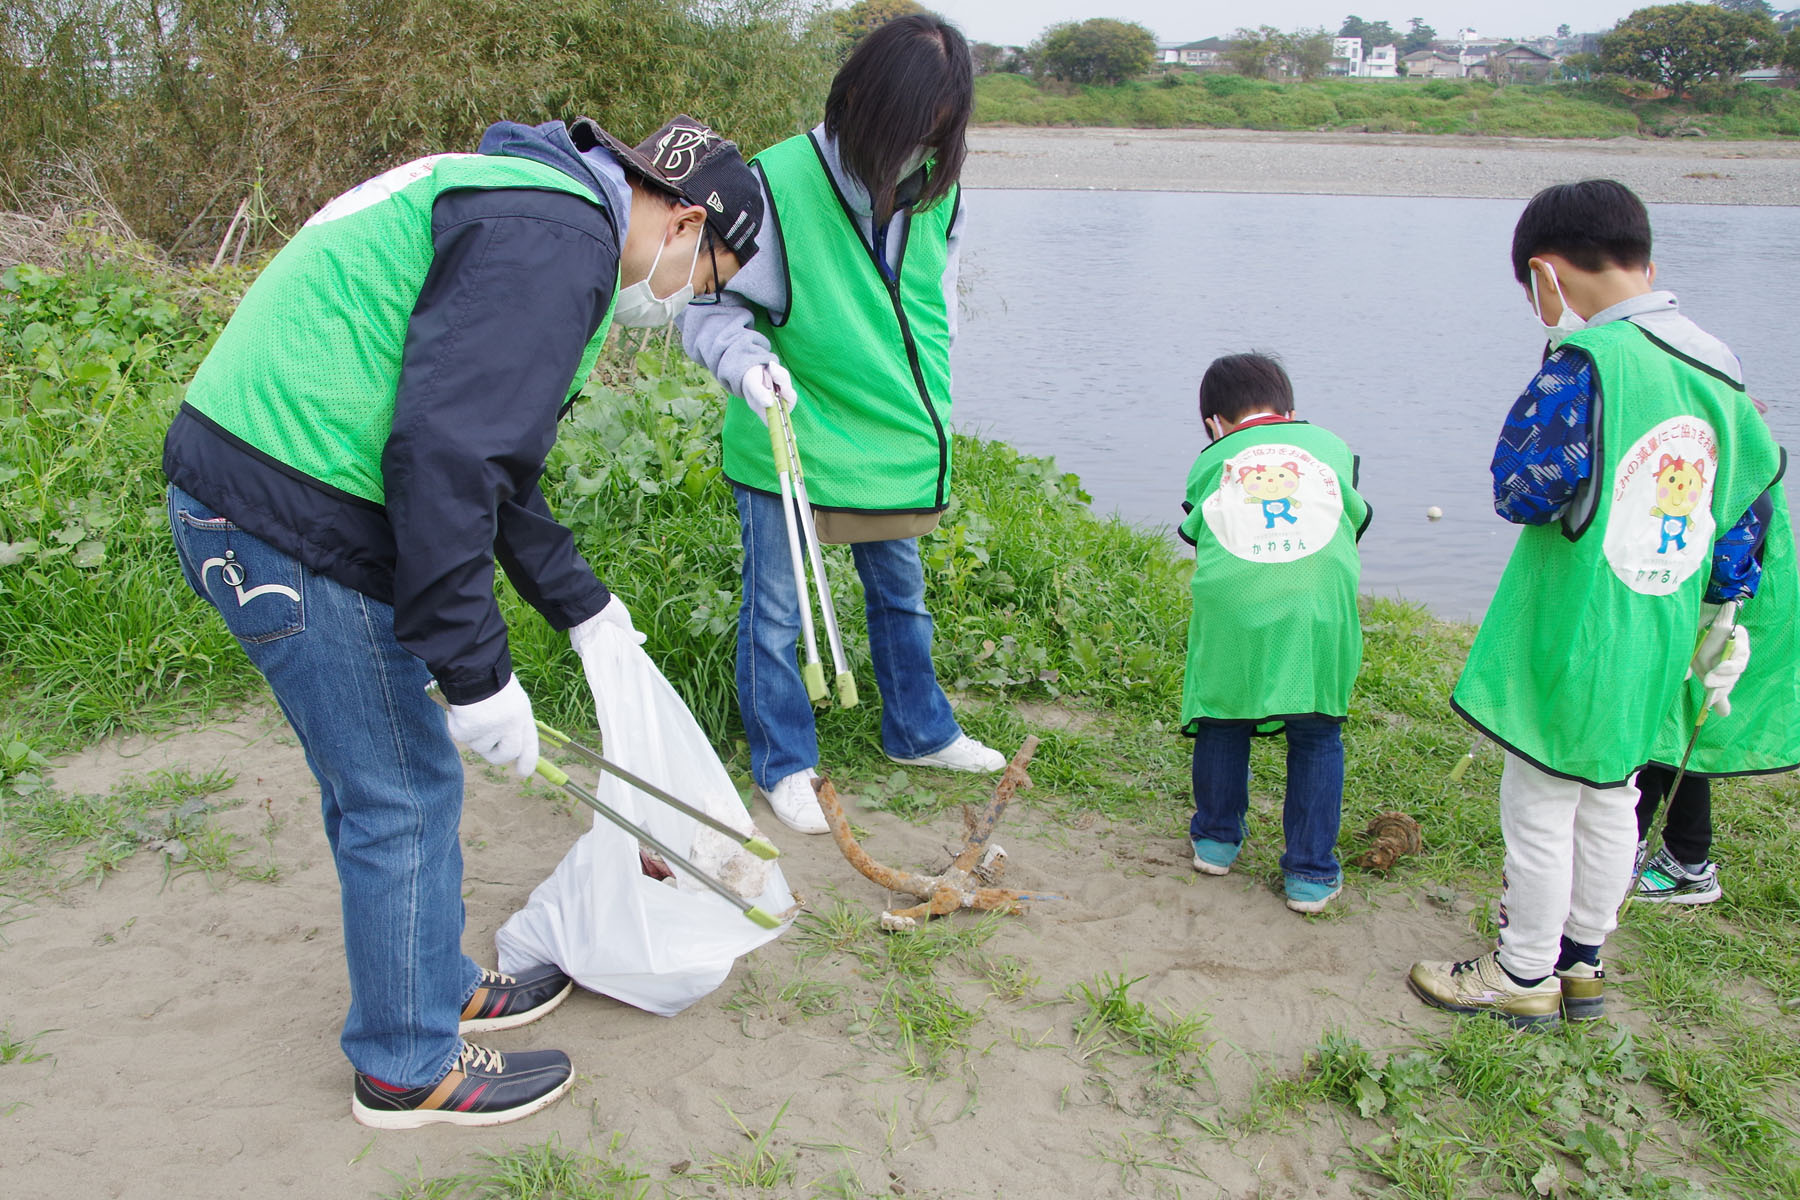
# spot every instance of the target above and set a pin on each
(1728, 614)
(813, 674)
(555, 775)
(1463, 764)
(762, 847)
(846, 681)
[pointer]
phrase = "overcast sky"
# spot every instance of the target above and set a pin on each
(1015, 22)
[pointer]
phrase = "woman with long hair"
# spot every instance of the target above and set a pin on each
(846, 316)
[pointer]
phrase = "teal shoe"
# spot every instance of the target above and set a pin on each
(1214, 858)
(1308, 895)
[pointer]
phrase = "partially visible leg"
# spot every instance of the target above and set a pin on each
(1605, 850)
(1221, 774)
(1688, 831)
(390, 781)
(915, 714)
(778, 718)
(1514, 982)
(1652, 784)
(1537, 820)
(1315, 800)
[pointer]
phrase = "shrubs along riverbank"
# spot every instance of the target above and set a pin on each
(1445, 106)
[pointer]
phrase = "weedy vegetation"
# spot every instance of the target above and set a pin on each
(1598, 109)
(1042, 608)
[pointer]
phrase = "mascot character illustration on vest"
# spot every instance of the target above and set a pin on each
(1679, 485)
(1273, 488)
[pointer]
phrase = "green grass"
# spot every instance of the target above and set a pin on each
(51, 838)
(1036, 601)
(1183, 99)
(1110, 1017)
(546, 1171)
(20, 1048)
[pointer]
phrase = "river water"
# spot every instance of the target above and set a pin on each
(1089, 317)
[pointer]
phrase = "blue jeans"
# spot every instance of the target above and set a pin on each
(778, 720)
(1315, 792)
(390, 783)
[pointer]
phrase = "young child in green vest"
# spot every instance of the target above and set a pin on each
(1638, 468)
(1275, 640)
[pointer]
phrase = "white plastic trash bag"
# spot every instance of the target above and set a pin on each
(612, 928)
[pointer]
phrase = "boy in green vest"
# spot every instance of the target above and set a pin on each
(1275, 640)
(1635, 463)
(361, 445)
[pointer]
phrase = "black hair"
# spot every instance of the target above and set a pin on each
(1595, 224)
(1244, 383)
(909, 83)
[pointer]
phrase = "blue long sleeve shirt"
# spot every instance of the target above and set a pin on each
(1544, 456)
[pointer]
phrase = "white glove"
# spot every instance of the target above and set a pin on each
(761, 386)
(501, 728)
(585, 636)
(1734, 656)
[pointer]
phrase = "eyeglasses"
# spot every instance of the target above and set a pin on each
(712, 297)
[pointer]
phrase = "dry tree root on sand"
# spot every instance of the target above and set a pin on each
(1393, 834)
(966, 883)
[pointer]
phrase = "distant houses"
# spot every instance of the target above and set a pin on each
(1469, 55)
(1520, 63)
(1433, 64)
(1348, 59)
(1204, 55)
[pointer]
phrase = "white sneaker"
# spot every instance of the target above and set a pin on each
(795, 804)
(964, 754)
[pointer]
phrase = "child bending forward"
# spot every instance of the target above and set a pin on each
(1275, 640)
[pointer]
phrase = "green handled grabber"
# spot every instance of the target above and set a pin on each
(762, 847)
(846, 681)
(1727, 614)
(1463, 764)
(553, 774)
(814, 672)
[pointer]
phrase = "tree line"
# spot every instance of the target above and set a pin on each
(1674, 46)
(186, 113)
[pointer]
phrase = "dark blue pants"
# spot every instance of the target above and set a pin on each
(1315, 792)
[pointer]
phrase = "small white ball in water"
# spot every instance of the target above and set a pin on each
(1434, 513)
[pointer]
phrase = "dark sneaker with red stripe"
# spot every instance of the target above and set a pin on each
(509, 1001)
(483, 1088)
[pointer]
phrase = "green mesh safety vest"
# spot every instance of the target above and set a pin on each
(1762, 734)
(1581, 657)
(870, 359)
(1275, 630)
(307, 368)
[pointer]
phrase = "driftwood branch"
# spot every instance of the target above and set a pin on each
(963, 883)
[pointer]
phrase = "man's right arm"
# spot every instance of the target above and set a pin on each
(722, 337)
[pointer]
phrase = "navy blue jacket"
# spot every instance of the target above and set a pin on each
(519, 282)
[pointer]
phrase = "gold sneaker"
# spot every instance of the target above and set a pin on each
(1478, 985)
(1583, 992)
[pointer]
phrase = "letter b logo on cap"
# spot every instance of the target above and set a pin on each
(679, 151)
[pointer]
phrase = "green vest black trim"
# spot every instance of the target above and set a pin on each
(1762, 734)
(1581, 658)
(870, 357)
(316, 396)
(1276, 633)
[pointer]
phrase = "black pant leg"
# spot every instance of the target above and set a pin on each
(1689, 832)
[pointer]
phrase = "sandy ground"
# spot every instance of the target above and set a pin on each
(1676, 171)
(192, 1024)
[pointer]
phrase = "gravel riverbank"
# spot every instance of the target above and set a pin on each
(1685, 171)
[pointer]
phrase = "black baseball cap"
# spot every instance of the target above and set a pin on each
(692, 162)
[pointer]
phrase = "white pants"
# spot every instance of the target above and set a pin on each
(1570, 851)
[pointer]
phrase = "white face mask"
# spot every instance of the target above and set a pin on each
(640, 308)
(1567, 322)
